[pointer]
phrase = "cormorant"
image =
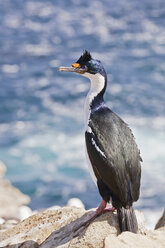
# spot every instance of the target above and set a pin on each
(112, 154)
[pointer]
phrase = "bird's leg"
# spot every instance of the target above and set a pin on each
(98, 211)
(101, 208)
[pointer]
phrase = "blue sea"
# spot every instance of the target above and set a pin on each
(41, 109)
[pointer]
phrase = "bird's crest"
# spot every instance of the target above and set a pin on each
(85, 57)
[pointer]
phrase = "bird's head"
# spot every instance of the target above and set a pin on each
(86, 66)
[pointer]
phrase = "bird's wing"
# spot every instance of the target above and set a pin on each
(114, 154)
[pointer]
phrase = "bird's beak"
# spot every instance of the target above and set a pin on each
(75, 68)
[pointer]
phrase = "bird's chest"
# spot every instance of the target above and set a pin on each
(87, 112)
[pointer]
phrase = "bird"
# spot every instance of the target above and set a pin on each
(113, 156)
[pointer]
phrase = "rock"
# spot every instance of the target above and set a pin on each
(155, 239)
(63, 227)
(93, 236)
(141, 222)
(161, 222)
(11, 198)
(2, 169)
(59, 228)
(54, 207)
(7, 224)
(2, 221)
(75, 202)
(24, 212)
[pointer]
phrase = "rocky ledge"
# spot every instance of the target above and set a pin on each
(63, 226)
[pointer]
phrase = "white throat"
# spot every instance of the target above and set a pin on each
(97, 85)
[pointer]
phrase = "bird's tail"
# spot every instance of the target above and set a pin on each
(127, 220)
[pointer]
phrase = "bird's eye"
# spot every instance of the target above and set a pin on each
(84, 67)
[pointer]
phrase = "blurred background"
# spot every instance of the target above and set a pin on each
(41, 109)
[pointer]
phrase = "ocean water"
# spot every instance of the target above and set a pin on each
(41, 109)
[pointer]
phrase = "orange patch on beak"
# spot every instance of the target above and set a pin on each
(76, 65)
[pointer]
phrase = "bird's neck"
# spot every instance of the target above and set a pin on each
(94, 99)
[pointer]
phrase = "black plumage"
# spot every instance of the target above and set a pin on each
(111, 148)
(85, 57)
(118, 171)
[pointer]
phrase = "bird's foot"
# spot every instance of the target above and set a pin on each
(109, 208)
(98, 212)
(112, 209)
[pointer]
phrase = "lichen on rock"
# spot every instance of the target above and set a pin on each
(62, 228)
